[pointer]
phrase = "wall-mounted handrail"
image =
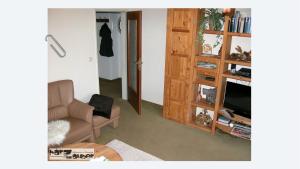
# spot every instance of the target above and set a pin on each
(58, 44)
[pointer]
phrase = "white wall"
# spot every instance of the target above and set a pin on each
(110, 67)
(75, 29)
(154, 26)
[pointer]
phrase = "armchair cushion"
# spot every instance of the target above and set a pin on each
(99, 120)
(78, 130)
(57, 112)
(80, 110)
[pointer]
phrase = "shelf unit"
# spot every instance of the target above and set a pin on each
(183, 74)
(202, 103)
(213, 32)
(220, 74)
(228, 74)
(224, 73)
(239, 34)
(203, 72)
(238, 62)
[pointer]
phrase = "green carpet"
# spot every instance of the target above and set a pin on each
(167, 139)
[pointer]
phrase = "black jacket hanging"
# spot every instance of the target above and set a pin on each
(106, 41)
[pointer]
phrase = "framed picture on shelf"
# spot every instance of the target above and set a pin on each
(207, 49)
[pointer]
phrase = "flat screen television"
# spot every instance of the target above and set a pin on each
(238, 99)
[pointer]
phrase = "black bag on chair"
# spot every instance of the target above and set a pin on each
(102, 104)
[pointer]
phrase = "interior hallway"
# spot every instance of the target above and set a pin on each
(167, 139)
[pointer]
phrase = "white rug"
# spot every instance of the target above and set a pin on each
(57, 131)
(129, 153)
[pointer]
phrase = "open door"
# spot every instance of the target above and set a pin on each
(134, 59)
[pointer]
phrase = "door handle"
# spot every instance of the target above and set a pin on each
(139, 64)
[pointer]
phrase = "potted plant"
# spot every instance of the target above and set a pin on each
(212, 20)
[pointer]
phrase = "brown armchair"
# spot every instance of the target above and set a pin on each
(62, 105)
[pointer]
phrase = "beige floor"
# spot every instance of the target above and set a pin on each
(167, 139)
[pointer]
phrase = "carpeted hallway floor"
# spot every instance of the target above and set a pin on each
(167, 139)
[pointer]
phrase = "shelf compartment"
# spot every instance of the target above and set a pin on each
(224, 128)
(238, 118)
(207, 72)
(227, 129)
(204, 128)
(213, 32)
(228, 74)
(239, 34)
(206, 82)
(211, 59)
(238, 62)
(197, 126)
(204, 104)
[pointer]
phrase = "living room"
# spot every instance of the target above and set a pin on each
(135, 119)
(150, 84)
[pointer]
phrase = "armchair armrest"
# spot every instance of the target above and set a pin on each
(80, 110)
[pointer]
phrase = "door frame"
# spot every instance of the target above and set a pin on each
(124, 54)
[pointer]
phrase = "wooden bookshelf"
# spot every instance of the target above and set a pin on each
(238, 62)
(239, 34)
(224, 128)
(239, 119)
(206, 82)
(204, 128)
(213, 32)
(203, 55)
(207, 71)
(208, 58)
(224, 74)
(204, 104)
(228, 74)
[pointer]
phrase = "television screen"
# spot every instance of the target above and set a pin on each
(238, 99)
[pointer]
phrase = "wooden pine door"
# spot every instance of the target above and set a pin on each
(178, 69)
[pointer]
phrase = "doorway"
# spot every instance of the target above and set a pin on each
(110, 52)
(116, 79)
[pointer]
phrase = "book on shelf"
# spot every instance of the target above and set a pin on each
(241, 130)
(247, 25)
(224, 124)
(241, 27)
(223, 120)
(206, 65)
(232, 24)
(242, 126)
(239, 24)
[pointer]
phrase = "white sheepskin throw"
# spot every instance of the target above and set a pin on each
(57, 131)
